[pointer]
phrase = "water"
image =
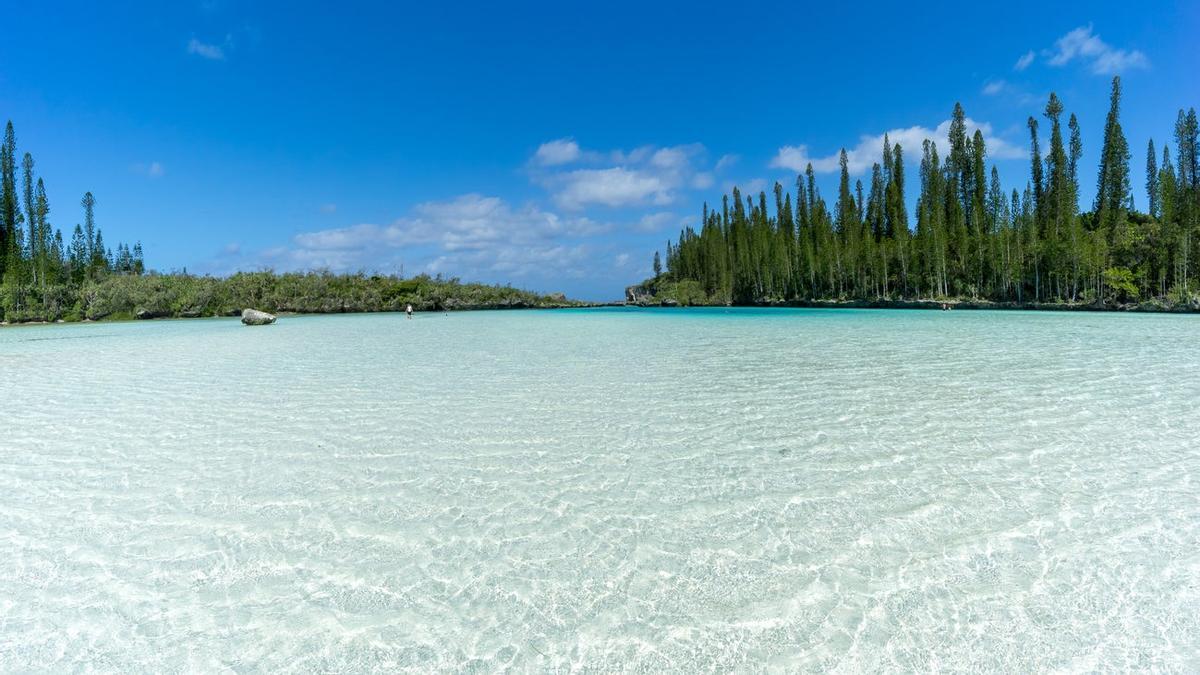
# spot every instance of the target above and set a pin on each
(624, 490)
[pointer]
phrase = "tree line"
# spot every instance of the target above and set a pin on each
(182, 295)
(41, 274)
(971, 239)
(45, 278)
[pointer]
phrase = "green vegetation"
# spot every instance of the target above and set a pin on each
(44, 279)
(149, 296)
(971, 240)
(40, 276)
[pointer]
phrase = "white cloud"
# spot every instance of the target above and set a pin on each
(205, 50)
(797, 158)
(617, 186)
(561, 151)
(329, 208)
(647, 175)
(621, 260)
(551, 262)
(1025, 61)
(471, 235)
(1103, 59)
(673, 159)
(1010, 92)
(471, 221)
(654, 222)
(870, 148)
(725, 162)
(994, 87)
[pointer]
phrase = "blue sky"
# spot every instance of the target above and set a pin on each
(554, 146)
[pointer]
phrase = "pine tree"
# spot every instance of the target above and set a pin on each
(1167, 200)
(10, 211)
(1056, 192)
(1062, 234)
(846, 213)
(897, 215)
(99, 259)
(31, 242)
(1187, 189)
(78, 257)
(1187, 154)
(1112, 189)
(970, 237)
(89, 224)
(876, 220)
(1035, 175)
(931, 221)
(1073, 162)
(958, 162)
(980, 233)
(997, 225)
(1151, 180)
(58, 257)
(41, 211)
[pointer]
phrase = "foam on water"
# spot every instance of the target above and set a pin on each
(623, 490)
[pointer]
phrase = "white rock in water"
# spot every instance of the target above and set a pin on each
(253, 317)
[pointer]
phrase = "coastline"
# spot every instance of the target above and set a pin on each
(119, 297)
(958, 303)
(650, 293)
(927, 305)
(291, 313)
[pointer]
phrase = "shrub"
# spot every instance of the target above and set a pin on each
(115, 296)
(1120, 283)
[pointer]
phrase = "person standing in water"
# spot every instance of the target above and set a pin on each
(408, 311)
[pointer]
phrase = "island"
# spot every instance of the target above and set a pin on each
(973, 245)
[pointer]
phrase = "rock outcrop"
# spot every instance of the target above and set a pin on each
(638, 295)
(253, 317)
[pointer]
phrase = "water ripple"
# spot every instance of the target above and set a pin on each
(594, 491)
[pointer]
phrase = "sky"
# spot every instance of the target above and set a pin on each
(554, 146)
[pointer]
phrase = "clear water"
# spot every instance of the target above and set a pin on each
(625, 490)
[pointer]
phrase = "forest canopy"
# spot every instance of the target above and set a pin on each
(965, 238)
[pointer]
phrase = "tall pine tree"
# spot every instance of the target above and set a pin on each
(1112, 185)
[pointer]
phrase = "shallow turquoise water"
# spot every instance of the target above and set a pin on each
(615, 490)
